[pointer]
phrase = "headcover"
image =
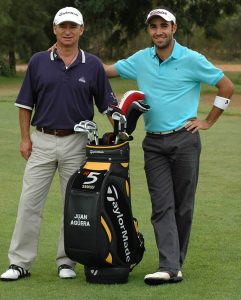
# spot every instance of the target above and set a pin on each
(135, 110)
(128, 98)
(126, 114)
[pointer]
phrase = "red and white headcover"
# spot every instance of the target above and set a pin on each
(128, 98)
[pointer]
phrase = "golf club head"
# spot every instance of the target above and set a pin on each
(116, 116)
(112, 109)
(123, 136)
(91, 127)
(79, 128)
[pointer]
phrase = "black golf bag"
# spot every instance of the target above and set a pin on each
(99, 229)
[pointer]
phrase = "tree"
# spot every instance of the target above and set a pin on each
(110, 24)
(232, 41)
(206, 14)
(203, 13)
(23, 23)
(4, 21)
(115, 22)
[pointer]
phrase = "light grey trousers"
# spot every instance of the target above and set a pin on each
(171, 166)
(49, 153)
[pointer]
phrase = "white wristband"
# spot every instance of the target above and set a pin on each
(221, 102)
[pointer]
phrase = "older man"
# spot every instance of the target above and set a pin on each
(59, 87)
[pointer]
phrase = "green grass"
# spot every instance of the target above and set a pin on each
(9, 87)
(212, 268)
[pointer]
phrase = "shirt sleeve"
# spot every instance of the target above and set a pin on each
(103, 93)
(205, 71)
(25, 98)
(126, 68)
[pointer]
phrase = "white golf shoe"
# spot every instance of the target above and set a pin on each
(14, 272)
(66, 272)
(162, 277)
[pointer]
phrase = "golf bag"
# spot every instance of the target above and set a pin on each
(99, 229)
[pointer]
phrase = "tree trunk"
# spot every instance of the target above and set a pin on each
(12, 62)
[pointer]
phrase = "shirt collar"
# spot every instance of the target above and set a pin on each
(176, 51)
(81, 56)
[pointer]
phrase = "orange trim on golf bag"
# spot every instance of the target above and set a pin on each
(125, 165)
(115, 146)
(97, 165)
(136, 224)
(109, 259)
(127, 188)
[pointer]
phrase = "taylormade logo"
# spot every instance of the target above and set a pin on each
(96, 151)
(112, 196)
(68, 12)
(160, 12)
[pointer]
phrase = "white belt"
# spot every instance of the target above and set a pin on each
(169, 131)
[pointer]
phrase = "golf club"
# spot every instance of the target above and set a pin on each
(90, 128)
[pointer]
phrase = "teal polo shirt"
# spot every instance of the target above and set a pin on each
(171, 88)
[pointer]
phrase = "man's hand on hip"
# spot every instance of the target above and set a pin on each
(196, 124)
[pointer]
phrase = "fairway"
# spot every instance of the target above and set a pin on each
(212, 268)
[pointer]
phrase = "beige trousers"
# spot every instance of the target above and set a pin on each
(49, 153)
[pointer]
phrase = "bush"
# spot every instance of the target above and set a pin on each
(5, 69)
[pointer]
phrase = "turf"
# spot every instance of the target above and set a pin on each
(212, 268)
